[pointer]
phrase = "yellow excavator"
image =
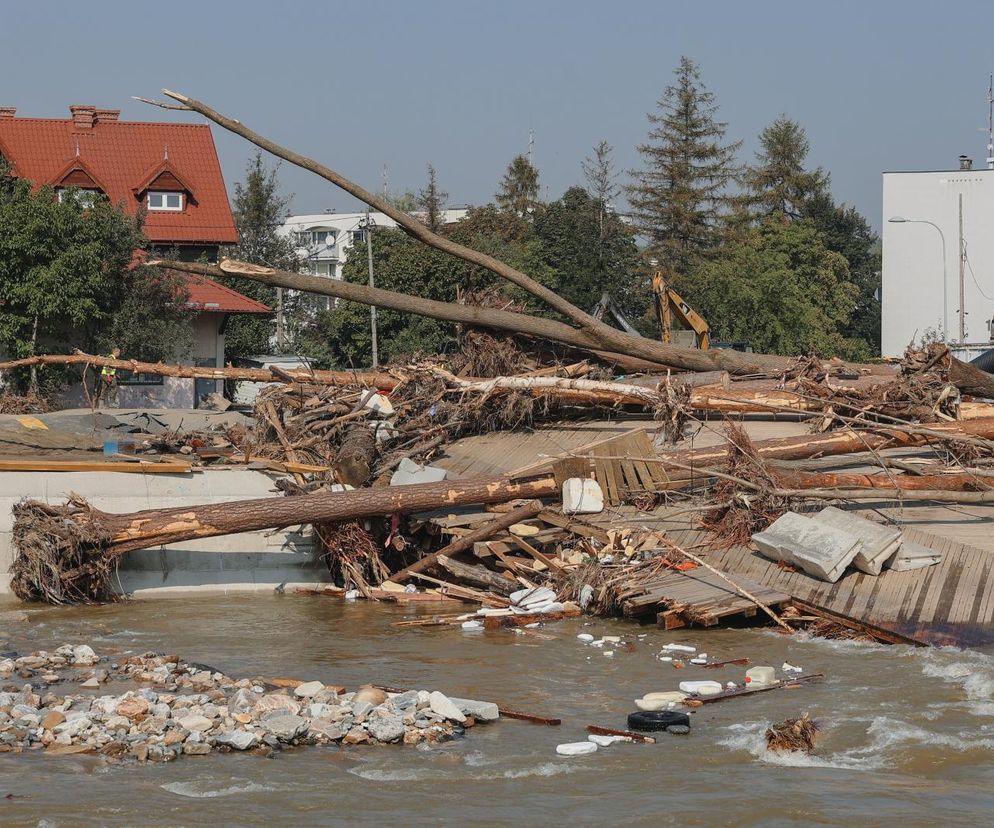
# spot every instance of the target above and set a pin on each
(669, 303)
(695, 331)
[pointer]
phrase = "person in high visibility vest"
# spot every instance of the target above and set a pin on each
(106, 390)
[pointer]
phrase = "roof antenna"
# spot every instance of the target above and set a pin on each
(531, 146)
(990, 124)
(165, 152)
(76, 139)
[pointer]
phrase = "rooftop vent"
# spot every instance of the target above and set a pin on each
(965, 162)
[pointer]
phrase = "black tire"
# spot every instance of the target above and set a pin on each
(648, 720)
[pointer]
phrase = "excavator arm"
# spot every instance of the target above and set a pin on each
(669, 303)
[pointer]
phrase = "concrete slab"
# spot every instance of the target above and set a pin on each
(820, 550)
(878, 542)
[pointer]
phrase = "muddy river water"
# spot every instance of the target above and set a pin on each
(908, 734)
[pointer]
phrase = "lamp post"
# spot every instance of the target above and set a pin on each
(942, 238)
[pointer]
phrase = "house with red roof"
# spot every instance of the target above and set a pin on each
(170, 174)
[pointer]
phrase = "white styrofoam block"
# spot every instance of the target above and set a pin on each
(820, 550)
(379, 404)
(913, 556)
(582, 496)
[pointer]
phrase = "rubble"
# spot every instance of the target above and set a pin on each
(174, 708)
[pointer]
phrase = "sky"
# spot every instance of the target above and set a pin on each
(881, 85)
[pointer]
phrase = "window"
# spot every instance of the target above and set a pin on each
(316, 238)
(358, 236)
(85, 198)
(125, 377)
(165, 201)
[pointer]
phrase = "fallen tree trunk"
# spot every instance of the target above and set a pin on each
(67, 554)
(479, 576)
(356, 455)
(959, 482)
(376, 379)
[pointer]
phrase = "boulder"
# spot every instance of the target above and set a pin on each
(83, 655)
(444, 707)
(308, 689)
(386, 729)
(285, 726)
(237, 739)
(196, 723)
(370, 694)
(276, 701)
(479, 710)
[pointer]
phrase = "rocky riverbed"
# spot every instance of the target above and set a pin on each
(166, 708)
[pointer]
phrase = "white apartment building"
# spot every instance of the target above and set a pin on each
(926, 216)
(324, 239)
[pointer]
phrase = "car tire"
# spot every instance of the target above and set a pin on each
(657, 720)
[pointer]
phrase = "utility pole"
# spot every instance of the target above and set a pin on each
(962, 265)
(280, 335)
(372, 308)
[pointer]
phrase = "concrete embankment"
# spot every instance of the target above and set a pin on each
(248, 561)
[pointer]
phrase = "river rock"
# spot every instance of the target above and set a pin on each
(479, 710)
(402, 701)
(323, 728)
(360, 710)
(443, 706)
(242, 701)
(52, 719)
(90, 684)
(308, 689)
(83, 655)
(356, 736)
(386, 729)
(370, 694)
(196, 723)
(133, 708)
(285, 726)
(196, 748)
(276, 701)
(237, 739)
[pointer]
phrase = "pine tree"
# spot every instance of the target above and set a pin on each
(518, 191)
(602, 181)
(260, 211)
(680, 197)
(778, 184)
(431, 201)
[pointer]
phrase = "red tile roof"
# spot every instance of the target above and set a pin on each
(122, 157)
(207, 295)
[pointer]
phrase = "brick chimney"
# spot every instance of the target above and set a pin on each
(106, 115)
(7, 111)
(83, 115)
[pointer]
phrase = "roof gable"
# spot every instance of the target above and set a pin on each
(163, 176)
(123, 155)
(76, 174)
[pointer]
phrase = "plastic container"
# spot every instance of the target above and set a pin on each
(701, 688)
(761, 676)
(111, 446)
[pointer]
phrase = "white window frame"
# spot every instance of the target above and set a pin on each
(163, 208)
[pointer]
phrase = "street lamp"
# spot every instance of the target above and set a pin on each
(945, 308)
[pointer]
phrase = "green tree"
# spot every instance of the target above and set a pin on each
(602, 181)
(518, 192)
(844, 229)
(67, 279)
(782, 290)
(431, 201)
(680, 196)
(778, 183)
(592, 252)
(260, 211)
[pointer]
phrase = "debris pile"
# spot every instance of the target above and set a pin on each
(798, 734)
(187, 709)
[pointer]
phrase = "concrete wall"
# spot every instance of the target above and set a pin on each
(912, 297)
(249, 561)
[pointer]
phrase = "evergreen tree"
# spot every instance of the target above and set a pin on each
(260, 211)
(681, 195)
(779, 184)
(518, 191)
(602, 181)
(431, 201)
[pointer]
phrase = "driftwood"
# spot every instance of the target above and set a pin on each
(66, 554)
(488, 530)
(356, 455)
(477, 575)
(377, 379)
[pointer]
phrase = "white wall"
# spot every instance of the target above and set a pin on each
(912, 291)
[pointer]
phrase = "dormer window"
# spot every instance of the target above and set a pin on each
(165, 201)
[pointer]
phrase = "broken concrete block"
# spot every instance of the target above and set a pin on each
(409, 472)
(379, 404)
(820, 550)
(879, 542)
(913, 556)
(582, 496)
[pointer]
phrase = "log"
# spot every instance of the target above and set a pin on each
(488, 530)
(67, 554)
(371, 379)
(356, 455)
(789, 479)
(479, 576)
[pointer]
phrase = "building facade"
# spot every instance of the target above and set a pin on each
(325, 239)
(170, 174)
(932, 223)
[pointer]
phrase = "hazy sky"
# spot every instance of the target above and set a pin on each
(878, 85)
